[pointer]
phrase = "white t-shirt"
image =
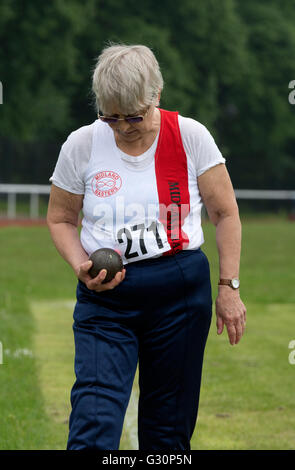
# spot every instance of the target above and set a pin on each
(121, 201)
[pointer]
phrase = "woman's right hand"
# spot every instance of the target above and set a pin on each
(96, 282)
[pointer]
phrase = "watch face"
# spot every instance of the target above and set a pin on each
(235, 283)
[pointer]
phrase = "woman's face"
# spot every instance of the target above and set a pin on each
(130, 132)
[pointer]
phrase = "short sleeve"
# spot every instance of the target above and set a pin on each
(65, 174)
(199, 145)
(209, 154)
(72, 161)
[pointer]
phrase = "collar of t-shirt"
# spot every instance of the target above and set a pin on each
(142, 161)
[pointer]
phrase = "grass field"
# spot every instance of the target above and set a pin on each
(247, 395)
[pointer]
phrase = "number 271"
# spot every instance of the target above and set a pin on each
(125, 231)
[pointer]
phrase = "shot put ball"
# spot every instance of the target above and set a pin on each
(105, 258)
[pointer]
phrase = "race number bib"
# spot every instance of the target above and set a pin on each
(140, 241)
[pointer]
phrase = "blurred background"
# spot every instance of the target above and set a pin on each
(228, 64)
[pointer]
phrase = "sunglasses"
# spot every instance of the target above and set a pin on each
(129, 119)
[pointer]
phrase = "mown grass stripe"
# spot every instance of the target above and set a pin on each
(54, 351)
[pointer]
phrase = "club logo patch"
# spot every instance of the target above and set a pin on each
(106, 183)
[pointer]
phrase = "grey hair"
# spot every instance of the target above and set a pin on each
(127, 77)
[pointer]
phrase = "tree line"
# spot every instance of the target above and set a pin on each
(225, 63)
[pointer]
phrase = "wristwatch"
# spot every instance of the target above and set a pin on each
(233, 283)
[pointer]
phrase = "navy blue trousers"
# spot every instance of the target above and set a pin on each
(159, 318)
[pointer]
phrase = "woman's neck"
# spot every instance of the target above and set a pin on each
(143, 139)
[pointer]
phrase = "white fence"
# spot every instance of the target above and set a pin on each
(35, 190)
(265, 194)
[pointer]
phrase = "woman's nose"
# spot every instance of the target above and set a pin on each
(123, 126)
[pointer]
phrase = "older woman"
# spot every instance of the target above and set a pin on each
(141, 174)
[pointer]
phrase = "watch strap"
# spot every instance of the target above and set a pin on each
(224, 282)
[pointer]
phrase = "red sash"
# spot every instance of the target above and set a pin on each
(172, 181)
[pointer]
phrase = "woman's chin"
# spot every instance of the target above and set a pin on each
(128, 136)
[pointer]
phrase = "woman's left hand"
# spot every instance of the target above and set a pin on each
(231, 312)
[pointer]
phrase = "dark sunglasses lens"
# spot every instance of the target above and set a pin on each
(134, 119)
(109, 120)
